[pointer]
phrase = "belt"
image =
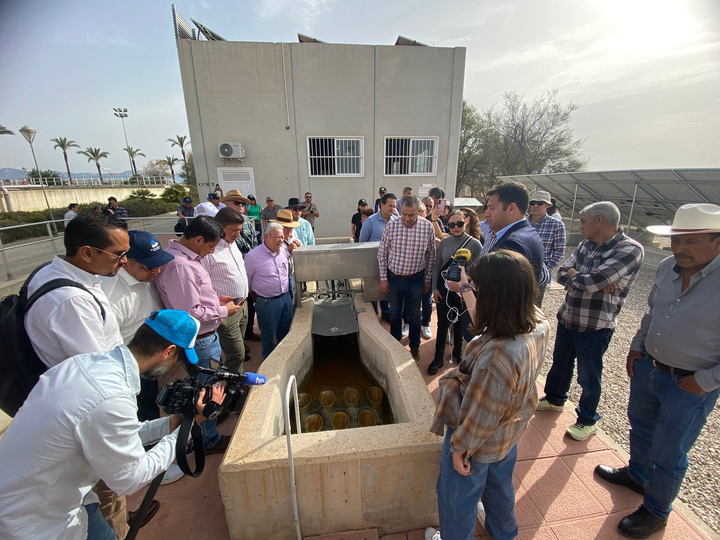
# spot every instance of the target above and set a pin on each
(672, 370)
(411, 276)
(273, 297)
(206, 334)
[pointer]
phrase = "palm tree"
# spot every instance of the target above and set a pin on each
(171, 161)
(133, 153)
(64, 144)
(5, 131)
(180, 141)
(94, 154)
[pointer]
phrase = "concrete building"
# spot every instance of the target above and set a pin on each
(337, 120)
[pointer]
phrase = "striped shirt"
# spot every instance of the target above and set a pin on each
(227, 270)
(552, 234)
(616, 262)
(491, 396)
(407, 250)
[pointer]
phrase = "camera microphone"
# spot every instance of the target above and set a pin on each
(252, 378)
(461, 258)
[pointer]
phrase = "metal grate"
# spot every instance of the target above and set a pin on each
(405, 156)
(335, 156)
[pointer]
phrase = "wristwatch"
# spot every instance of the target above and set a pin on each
(211, 410)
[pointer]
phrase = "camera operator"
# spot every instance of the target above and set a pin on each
(80, 424)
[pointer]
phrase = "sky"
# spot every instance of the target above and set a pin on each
(645, 74)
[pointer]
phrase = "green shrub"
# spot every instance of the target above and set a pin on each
(174, 193)
(142, 194)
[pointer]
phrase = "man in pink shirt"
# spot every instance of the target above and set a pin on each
(184, 284)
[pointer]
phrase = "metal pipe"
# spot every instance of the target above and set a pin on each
(632, 207)
(287, 104)
(6, 196)
(292, 385)
(8, 273)
(572, 215)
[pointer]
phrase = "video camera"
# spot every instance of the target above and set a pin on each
(461, 258)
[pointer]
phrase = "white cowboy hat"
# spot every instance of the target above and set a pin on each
(691, 219)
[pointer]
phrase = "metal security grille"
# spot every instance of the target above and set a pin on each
(405, 156)
(335, 156)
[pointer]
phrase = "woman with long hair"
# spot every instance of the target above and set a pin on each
(449, 305)
(472, 222)
(485, 404)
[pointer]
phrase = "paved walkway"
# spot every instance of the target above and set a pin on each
(558, 496)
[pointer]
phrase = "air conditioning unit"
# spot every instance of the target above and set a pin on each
(231, 150)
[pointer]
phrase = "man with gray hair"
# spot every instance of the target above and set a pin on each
(597, 278)
(267, 270)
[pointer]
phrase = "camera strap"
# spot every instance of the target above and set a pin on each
(189, 427)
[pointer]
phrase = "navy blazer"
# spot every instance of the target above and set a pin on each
(523, 238)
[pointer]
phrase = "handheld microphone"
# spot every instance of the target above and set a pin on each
(461, 258)
(252, 378)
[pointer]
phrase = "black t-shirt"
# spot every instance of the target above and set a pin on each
(357, 221)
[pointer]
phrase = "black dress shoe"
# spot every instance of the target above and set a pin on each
(641, 523)
(619, 477)
(253, 337)
(434, 366)
(385, 317)
(152, 510)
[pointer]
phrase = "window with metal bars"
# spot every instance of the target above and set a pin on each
(335, 156)
(406, 156)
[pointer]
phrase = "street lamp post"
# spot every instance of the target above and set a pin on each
(29, 134)
(122, 114)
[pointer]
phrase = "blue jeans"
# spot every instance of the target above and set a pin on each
(98, 528)
(458, 496)
(207, 348)
(384, 307)
(427, 303)
(405, 296)
(665, 421)
(274, 316)
(589, 348)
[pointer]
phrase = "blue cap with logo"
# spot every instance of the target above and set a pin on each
(187, 200)
(213, 196)
(146, 249)
(178, 327)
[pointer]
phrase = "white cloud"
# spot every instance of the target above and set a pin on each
(305, 11)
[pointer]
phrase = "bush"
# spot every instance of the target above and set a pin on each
(174, 193)
(142, 194)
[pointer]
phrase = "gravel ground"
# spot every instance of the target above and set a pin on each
(699, 490)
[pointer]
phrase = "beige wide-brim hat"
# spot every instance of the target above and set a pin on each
(543, 196)
(691, 219)
(234, 195)
(285, 218)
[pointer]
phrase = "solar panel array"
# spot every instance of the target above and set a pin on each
(648, 197)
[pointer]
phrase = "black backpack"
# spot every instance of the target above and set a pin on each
(20, 366)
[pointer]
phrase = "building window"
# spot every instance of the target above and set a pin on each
(335, 156)
(405, 156)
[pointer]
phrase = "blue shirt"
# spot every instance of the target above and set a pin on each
(305, 233)
(374, 227)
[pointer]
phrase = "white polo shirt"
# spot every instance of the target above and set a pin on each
(68, 321)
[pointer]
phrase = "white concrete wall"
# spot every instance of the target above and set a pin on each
(29, 199)
(236, 92)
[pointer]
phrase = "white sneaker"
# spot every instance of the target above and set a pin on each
(432, 534)
(481, 513)
(426, 333)
(173, 474)
(405, 330)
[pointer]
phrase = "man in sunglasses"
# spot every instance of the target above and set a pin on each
(551, 231)
(69, 320)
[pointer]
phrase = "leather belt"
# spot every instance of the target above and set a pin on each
(206, 334)
(273, 297)
(672, 370)
(411, 276)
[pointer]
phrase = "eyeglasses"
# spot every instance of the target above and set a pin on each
(238, 203)
(537, 203)
(456, 225)
(117, 256)
(146, 268)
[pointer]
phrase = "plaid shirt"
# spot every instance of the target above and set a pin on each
(490, 397)
(616, 262)
(407, 250)
(552, 234)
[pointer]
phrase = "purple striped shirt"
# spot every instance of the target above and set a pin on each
(267, 272)
(185, 284)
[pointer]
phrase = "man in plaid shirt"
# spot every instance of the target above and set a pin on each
(597, 278)
(552, 234)
(405, 260)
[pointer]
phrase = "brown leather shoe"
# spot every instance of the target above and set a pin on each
(220, 447)
(253, 337)
(154, 506)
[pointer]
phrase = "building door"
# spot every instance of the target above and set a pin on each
(240, 178)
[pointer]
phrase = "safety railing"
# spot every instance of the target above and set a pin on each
(292, 386)
(59, 182)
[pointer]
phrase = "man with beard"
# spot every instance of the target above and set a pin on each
(79, 424)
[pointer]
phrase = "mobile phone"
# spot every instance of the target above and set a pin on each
(238, 301)
(441, 206)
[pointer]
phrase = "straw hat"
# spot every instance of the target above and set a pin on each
(285, 218)
(691, 219)
(235, 195)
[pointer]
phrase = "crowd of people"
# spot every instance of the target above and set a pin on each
(136, 309)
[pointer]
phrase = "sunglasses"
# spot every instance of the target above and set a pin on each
(456, 224)
(117, 256)
(238, 203)
(537, 203)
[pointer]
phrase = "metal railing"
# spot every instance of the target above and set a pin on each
(60, 182)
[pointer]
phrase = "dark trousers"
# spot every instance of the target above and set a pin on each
(251, 316)
(405, 296)
(443, 324)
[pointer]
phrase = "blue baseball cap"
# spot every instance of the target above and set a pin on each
(146, 249)
(187, 200)
(213, 196)
(178, 327)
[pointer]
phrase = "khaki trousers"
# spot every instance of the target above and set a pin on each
(231, 333)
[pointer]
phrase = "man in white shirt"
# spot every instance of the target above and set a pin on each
(227, 274)
(80, 424)
(72, 213)
(69, 321)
